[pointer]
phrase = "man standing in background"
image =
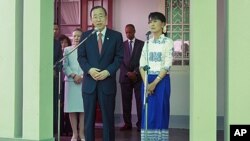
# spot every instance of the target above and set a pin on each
(57, 56)
(130, 79)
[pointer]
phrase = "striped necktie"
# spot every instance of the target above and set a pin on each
(100, 42)
(130, 48)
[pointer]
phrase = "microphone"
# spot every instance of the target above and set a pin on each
(148, 33)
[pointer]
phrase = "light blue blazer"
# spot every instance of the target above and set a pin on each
(70, 64)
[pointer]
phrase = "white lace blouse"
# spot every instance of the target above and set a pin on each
(159, 54)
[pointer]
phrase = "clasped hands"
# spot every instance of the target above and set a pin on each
(151, 88)
(132, 76)
(97, 74)
(78, 79)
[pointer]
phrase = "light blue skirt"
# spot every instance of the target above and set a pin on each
(158, 111)
(73, 101)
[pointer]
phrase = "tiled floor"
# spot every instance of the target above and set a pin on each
(133, 135)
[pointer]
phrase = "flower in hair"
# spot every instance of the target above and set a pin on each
(164, 30)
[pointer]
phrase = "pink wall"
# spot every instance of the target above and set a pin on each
(135, 12)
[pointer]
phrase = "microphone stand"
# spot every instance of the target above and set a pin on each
(145, 101)
(58, 64)
(66, 55)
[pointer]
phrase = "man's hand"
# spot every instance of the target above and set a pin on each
(94, 72)
(132, 76)
(102, 75)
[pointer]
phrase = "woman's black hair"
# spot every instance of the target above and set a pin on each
(62, 37)
(157, 16)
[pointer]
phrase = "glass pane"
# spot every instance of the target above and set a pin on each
(176, 36)
(176, 12)
(186, 12)
(177, 62)
(186, 28)
(186, 49)
(186, 36)
(177, 27)
(186, 62)
(99, 3)
(177, 54)
(70, 12)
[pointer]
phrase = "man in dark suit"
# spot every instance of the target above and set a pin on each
(130, 79)
(56, 57)
(100, 57)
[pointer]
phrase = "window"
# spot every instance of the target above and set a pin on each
(71, 14)
(177, 12)
(68, 15)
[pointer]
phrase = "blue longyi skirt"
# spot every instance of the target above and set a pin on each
(158, 111)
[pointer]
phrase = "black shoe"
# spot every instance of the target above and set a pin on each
(126, 127)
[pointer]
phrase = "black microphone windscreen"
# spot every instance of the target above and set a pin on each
(148, 33)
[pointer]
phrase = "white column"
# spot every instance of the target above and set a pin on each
(203, 85)
(11, 69)
(238, 64)
(38, 70)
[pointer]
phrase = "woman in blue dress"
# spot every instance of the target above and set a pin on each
(157, 54)
(73, 102)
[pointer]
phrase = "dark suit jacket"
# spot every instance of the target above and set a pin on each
(131, 63)
(57, 52)
(110, 59)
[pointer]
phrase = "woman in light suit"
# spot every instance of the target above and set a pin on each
(73, 88)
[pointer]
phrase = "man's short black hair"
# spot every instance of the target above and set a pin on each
(96, 7)
(130, 25)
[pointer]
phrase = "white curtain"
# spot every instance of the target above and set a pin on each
(70, 10)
